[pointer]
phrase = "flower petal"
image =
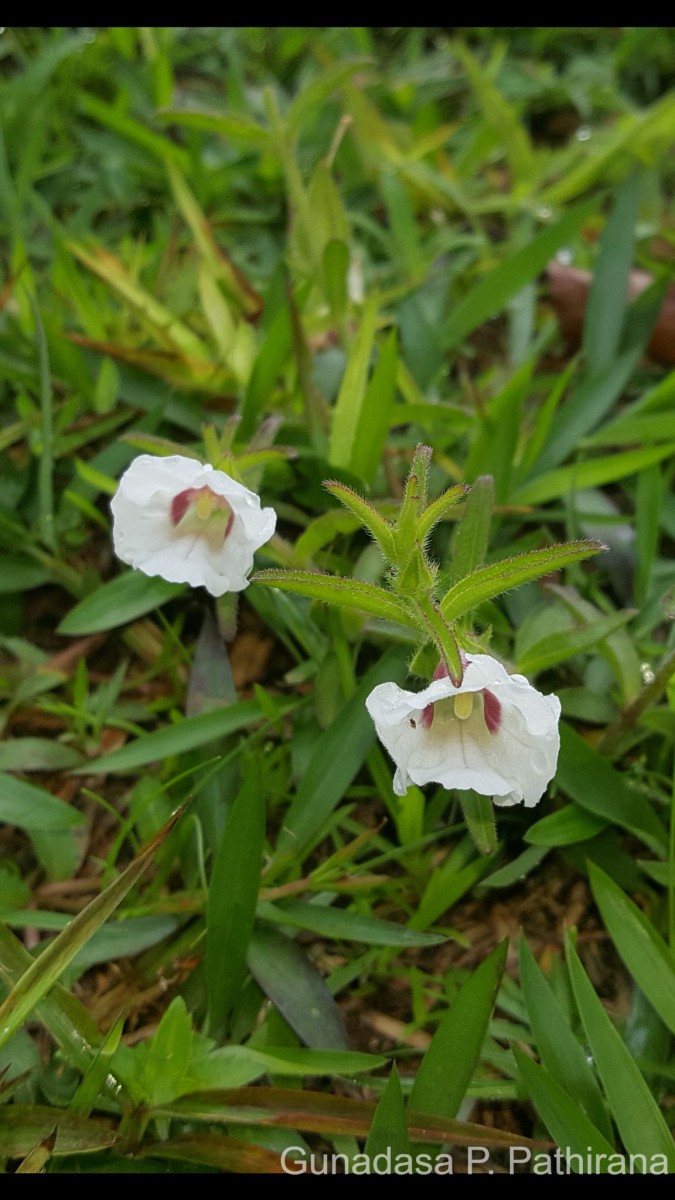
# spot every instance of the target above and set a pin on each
(513, 761)
(145, 536)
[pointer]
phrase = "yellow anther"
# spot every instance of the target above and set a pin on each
(464, 705)
(205, 499)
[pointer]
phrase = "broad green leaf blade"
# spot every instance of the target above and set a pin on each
(389, 1131)
(371, 436)
(169, 1053)
(597, 787)
(518, 869)
(344, 593)
(446, 1069)
(45, 971)
(294, 985)
(349, 403)
(471, 540)
(118, 602)
(319, 1112)
(340, 923)
(648, 958)
(22, 1126)
(501, 576)
(639, 1120)
(558, 647)
(499, 285)
(32, 807)
(565, 827)
(233, 893)
(338, 755)
(563, 1118)
(177, 739)
(607, 298)
(560, 1052)
(590, 472)
(37, 754)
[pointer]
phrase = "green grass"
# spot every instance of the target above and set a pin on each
(301, 254)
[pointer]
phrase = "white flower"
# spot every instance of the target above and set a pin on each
(182, 520)
(493, 733)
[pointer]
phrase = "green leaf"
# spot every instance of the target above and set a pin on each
(501, 576)
(169, 1052)
(511, 132)
(23, 1126)
(446, 1069)
(565, 827)
(567, 1124)
(340, 923)
(650, 961)
(516, 870)
(178, 738)
(560, 1052)
(388, 1132)
(31, 807)
(347, 413)
(606, 305)
(118, 602)
(558, 647)
(45, 971)
(366, 514)
(471, 539)
(590, 472)
(344, 593)
(493, 291)
(233, 893)
(370, 438)
(294, 985)
(597, 787)
(639, 1120)
(37, 754)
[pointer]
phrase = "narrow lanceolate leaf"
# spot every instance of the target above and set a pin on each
(389, 1131)
(558, 647)
(639, 1120)
(123, 599)
(295, 986)
(45, 971)
(348, 406)
(561, 1054)
(563, 1118)
(438, 508)
(22, 1126)
(338, 923)
(366, 514)
(587, 777)
(447, 1066)
(233, 892)
(648, 958)
(344, 593)
(512, 572)
(471, 541)
(177, 739)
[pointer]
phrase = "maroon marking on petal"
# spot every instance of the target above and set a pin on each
(181, 503)
(427, 716)
(441, 671)
(492, 710)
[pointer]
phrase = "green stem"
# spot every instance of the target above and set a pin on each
(442, 635)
